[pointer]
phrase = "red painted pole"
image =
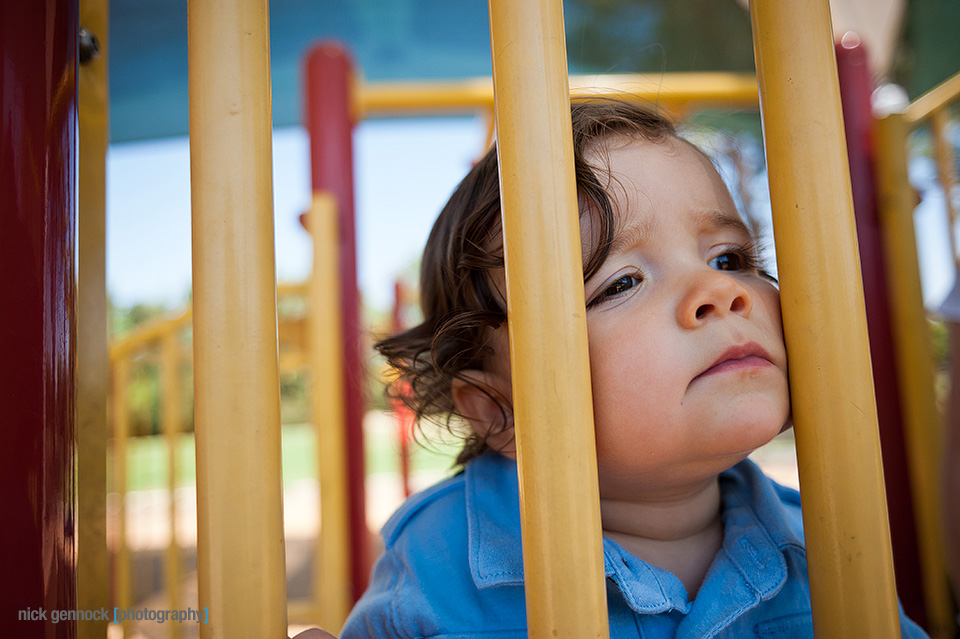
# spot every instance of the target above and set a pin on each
(38, 180)
(402, 415)
(330, 121)
(855, 92)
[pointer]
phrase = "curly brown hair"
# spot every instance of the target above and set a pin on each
(460, 304)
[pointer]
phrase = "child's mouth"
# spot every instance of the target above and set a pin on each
(736, 358)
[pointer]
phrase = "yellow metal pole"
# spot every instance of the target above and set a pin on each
(553, 407)
(93, 361)
(835, 416)
(332, 581)
(944, 153)
(121, 431)
(170, 416)
(240, 549)
(915, 362)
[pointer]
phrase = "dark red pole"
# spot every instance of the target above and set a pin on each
(330, 121)
(855, 91)
(38, 180)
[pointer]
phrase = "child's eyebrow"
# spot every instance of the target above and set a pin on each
(709, 219)
(717, 219)
(629, 236)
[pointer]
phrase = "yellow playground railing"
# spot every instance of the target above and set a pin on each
(167, 343)
(914, 356)
(933, 109)
(168, 339)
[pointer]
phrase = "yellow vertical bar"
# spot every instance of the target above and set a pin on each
(553, 407)
(332, 561)
(841, 477)
(944, 153)
(915, 362)
(121, 431)
(240, 550)
(170, 416)
(93, 360)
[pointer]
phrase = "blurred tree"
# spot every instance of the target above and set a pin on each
(930, 49)
(122, 319)
(649, 36)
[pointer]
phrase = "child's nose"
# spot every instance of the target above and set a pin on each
(712, 294)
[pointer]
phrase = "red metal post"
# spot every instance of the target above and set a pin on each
(38, 182)
(855, 91)
(330, 121)
(402, 415)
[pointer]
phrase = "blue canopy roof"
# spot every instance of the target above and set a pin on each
(389, 39)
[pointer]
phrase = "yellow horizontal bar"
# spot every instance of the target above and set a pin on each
(151, 331)
(291, 288)
(934, 99)
(676, 90)
(159, 328)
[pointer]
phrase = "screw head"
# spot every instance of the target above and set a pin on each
(89, 46)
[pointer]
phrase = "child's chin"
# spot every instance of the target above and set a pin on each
(759, 433)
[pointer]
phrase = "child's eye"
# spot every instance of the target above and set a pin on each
(737, 259)
(617, 287)
(729, 262)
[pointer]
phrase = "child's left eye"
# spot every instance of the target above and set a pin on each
(617, 287)
(730, 262)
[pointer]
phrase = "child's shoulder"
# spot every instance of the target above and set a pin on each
(488, 481)
(425, 584)
(436, 505)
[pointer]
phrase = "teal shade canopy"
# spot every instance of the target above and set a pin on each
(407, 39)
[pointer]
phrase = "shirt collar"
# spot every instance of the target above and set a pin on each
(757, 530)
(493, 521)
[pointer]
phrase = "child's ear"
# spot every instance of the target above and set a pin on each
(483, 399)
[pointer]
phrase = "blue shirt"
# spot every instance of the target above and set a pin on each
(452, 568)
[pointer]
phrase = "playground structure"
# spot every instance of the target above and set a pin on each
(239, 608)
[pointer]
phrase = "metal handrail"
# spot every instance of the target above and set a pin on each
(671, 90)
(933, 100)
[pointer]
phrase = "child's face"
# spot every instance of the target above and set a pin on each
(687, 356)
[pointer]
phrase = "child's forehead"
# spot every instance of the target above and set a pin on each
(617, 152)
(666, 169)
(650, 182)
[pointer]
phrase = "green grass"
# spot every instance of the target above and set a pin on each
(147, 457)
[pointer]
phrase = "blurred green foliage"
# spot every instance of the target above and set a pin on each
(143, 388)
(652, 36)
(929, 50)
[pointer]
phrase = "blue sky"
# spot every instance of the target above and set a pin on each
(404, 171)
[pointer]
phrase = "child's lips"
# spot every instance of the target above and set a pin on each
(735, 358)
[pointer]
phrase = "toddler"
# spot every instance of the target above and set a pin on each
(689, 375)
